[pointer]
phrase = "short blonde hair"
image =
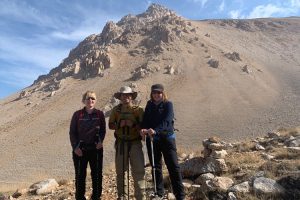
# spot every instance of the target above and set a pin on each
(88, 94)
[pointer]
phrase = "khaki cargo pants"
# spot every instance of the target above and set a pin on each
(136, 160)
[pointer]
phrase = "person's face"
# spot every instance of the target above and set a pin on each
(126, 98)
(157, 96)
(90, 102)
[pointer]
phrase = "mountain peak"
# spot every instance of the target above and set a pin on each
(157, 11)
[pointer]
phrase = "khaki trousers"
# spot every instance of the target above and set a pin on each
(136, 160)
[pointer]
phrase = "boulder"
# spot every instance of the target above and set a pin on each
(213, 63)
(214, 139)
(203, 178)
(240, 188)
(216, 146)
(218, 183)
(234, 56)
(218, 154)
(264, 185)
(43, 187)
(199, 165)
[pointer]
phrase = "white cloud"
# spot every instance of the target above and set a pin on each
(270, 10)
(22, 12)
(203, 2)
(20, 76)
(76, 35)
(236, 14)
(31, 52)
(295, 3)
(222, 6)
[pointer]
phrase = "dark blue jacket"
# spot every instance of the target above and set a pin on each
(160, 118)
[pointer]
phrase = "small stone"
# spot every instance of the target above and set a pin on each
(259, 147)
(267, 156)
(171, 196)
(231, 196)
(218, 154)
(214, 139)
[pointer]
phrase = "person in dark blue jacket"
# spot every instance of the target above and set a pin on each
(158, 124)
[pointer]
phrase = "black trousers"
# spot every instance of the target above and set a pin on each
(166, 147)
(95, 159)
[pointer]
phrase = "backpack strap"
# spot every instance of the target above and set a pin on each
(79, 117)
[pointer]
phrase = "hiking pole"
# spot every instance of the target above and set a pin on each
(97, 165)
(145, 176)
(123, 154)
(128, 156)
(78, 169)
(153, 165)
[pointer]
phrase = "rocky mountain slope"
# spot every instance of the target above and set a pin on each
(229, 78)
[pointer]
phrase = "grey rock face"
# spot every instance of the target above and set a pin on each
(264, 185)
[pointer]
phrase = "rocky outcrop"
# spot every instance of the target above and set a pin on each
(157, 26)
(234, 56)
(213, 63)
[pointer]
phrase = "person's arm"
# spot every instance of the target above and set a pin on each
(145, 119)
(138, 125)
(73, 131)
(166, 122)
(102, 131)
(112, 124)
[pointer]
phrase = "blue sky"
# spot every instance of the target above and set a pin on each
(36, 35)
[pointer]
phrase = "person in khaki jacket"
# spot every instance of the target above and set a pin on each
(126, 119)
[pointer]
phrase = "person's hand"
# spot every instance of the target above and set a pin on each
(143, 133)
(99, 145)
(129, 123)
(122, 123)
(150, 132)
(78, 152)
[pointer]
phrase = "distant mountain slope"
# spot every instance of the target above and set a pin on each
(231, 78)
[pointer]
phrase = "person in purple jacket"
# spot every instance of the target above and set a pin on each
(158, 126)
(87, 132)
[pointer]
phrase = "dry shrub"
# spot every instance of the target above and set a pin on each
(289, 131)
(250, 196)
(282, 154)
(277, 169)
(243, 165)
(244, 147)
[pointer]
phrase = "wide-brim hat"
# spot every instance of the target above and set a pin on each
(125, 90)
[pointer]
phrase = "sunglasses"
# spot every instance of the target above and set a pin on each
(156, 92)
(90, 98)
